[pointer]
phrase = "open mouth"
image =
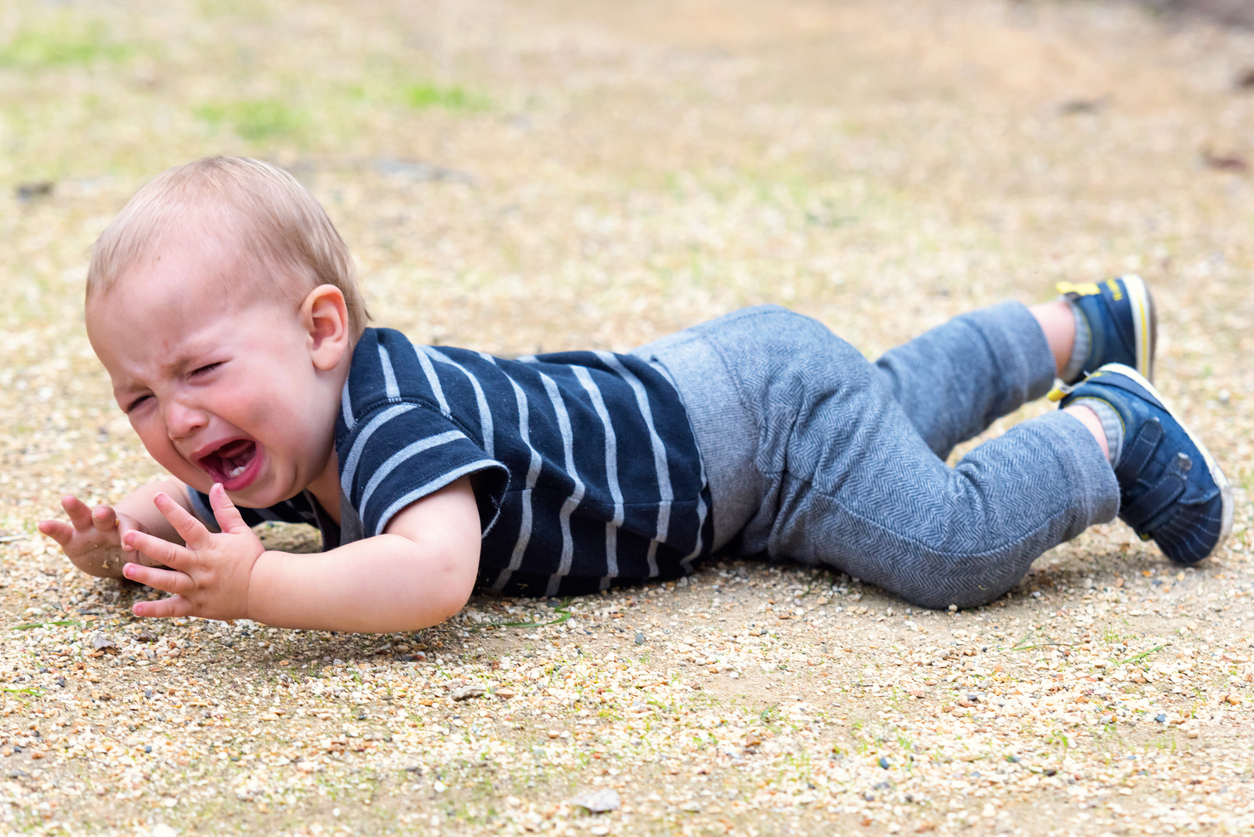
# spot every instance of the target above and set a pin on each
(235, 464)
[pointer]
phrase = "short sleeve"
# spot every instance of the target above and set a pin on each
(295, 510)
(401, 452)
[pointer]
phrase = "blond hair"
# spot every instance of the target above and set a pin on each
(261, 207)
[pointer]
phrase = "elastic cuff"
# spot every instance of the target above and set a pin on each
(1082, 346)
(1112, 425)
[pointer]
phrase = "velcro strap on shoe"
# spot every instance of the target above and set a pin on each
(1136, 455)
(1149, 505)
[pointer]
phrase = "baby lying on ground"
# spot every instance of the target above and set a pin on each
(224, 306)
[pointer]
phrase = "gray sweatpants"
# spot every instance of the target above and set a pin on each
(813, 454)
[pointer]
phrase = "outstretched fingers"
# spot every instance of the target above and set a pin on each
(104, 518)
(161, 579)
(224, 511)
(191, 530)
(159, 550)
(78, 512)
(173, 606)
(58, 530)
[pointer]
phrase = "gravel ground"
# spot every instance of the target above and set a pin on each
(545, 174)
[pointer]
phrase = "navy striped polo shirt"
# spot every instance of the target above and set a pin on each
(586, 471)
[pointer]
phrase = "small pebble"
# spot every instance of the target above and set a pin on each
(598, 802)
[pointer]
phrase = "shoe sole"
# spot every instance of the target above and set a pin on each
(1217, 474)
(1144, 323)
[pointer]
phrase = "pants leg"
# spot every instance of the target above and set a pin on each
(810, 457)
(958, 378)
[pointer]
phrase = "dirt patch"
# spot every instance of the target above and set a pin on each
(542, 175)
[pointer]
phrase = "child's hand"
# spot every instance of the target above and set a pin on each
(92, 540)
(210, 576)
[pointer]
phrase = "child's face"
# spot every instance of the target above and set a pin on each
(219, 387)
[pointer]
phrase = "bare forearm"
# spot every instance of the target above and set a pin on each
(377, 585)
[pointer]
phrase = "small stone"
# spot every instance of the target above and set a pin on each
(691, 807)
(884, 762)
(1162, 719)
(598, 802)
(639, 637)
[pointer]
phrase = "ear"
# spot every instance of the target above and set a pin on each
(325, 316)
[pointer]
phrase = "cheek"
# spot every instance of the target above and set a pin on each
(156, 442)
(153, 435)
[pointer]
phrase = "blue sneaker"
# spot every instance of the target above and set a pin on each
(1170, 488)
(1121, 323)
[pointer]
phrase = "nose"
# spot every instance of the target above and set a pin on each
(182, 420)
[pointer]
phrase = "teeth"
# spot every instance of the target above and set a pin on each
(236, 471)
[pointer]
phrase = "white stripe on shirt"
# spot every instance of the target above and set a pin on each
(533, 474)
(389, 375)
(346, 407)
(433, 379)
(611, 474)
(665, 492)
(572, 502)
(405, 453)
(485, 414)
(349, 466)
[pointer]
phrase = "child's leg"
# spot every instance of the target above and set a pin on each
(810, 457)
(955, 380)
(958, 378)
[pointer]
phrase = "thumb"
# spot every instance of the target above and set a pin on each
(126, 523)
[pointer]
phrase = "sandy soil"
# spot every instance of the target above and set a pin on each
(546, 174)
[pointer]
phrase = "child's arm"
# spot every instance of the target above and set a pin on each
(418, 573)
(93, 539)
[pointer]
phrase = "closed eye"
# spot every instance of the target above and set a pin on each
(207, 368)
(137, 402)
